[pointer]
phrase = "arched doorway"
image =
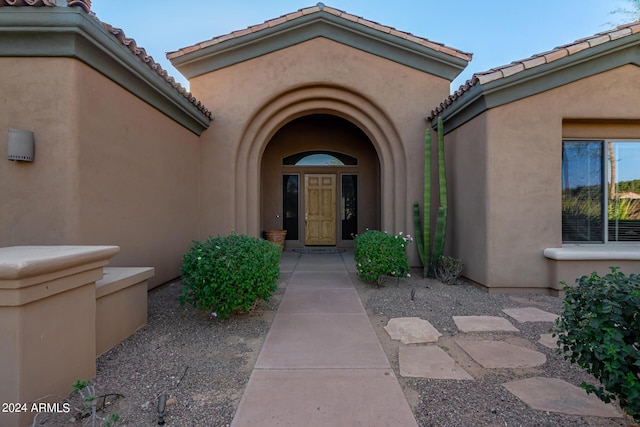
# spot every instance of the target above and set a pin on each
(320, 180)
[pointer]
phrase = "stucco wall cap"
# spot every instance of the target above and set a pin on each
(595, 252)
(19, 262)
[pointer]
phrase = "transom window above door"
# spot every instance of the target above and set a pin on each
(320, 158)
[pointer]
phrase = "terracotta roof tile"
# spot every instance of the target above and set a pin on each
(277, 21)
(599, 40)
(554, 55)
(513, 69)
(349, 17)
(575, 48)
(84, 4)
(537, 60)
(621, 33)
(259, 27)
(534, 61)
(34, 3)
(293, 15)
(309, 10)
(333, 11)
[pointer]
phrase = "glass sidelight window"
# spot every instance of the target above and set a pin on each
(349, 206)
(290, 205)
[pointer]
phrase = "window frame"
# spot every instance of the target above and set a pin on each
(605, 175)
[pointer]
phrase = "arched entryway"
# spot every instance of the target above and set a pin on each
(320, 180)
(308, 100)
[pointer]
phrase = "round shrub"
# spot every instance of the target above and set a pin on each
(379, 254)
(228, 274)
(600, 331)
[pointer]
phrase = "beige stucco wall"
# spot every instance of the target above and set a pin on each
(468, 215)
(38, 199)
(138, 178)
(253, 99)
(522, 174)
(109, 169)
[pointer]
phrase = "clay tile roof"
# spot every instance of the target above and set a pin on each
(84, 4)
(119, 35)
(515, 67)
(141, 53)
(34, 3)
(333, 11)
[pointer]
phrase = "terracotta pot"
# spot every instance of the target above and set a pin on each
(276, 236)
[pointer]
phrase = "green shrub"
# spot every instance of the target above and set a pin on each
(228, 274)
(600, 331)
(448, 270)
(379, 254)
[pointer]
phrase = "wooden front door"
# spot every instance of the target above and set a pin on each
(320, 209)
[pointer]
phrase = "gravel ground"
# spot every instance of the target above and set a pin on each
(484, 401)
(204, 364)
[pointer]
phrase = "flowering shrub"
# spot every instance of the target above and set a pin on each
(600, 331)
(379, 254)
(226, 274)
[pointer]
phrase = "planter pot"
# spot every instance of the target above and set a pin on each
(276, 236)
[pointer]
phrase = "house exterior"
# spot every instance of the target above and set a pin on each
(312, 122)
(543, 154)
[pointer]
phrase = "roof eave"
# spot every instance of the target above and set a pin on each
(71, 33)
(320, 24)
(481, 97)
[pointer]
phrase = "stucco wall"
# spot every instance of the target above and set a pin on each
(38, 199)
(138, 178)
(349, 83)
(468, 212)
(523, 147)
(109, 169)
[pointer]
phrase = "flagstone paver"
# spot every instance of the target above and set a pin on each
(483, 324)
(556, 395)
(430, 362)
(530, 314)
(548, 340)
(499, 354)
(412, 330)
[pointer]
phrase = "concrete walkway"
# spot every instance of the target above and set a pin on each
(321, 363)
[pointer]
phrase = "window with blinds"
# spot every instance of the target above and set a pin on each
(600, 191)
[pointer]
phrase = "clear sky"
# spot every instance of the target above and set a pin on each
(497, 32)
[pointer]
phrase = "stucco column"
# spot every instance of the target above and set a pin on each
(47, 322)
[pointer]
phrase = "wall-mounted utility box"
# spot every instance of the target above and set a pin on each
(21, 145)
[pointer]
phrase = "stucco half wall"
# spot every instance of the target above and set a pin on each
(506, 180)
(253, 99)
